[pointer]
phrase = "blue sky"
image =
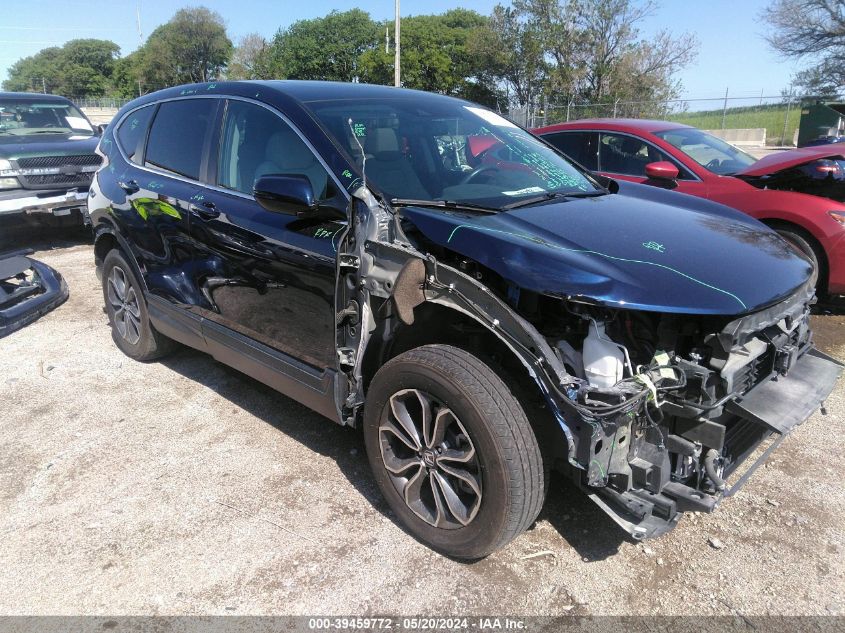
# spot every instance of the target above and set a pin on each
(732, 55)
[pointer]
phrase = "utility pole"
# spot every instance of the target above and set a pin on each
(386, 40)
(397, 81)
(725, 109)
(140, 37)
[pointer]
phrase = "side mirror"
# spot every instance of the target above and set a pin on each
(291, 194)
(661, 170)
(100, 129)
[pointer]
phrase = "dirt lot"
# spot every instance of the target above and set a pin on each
(183, 487)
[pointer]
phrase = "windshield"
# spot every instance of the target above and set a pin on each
(708, 151)
(438, 149)
(24, 117)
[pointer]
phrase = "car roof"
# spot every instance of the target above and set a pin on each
(298, 90)
(33, 96)
(619, 125)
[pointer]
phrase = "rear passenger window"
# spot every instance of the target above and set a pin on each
(133, 130)
(579, 146)
(178, 134)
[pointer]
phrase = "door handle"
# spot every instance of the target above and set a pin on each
(207, 211)
(129, 186)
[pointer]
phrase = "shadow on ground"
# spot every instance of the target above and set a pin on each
(22, 232)
(580, 522)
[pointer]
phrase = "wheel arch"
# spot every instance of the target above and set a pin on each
(107, 238)
(441, 323)
(786, 225)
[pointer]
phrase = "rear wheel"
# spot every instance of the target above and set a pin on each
(452, 451)
(128, 315)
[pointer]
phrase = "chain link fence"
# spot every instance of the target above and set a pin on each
(774, 119)
(100, 102)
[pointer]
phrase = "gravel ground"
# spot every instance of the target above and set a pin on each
(184, 487)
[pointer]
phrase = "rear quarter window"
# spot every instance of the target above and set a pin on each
(133, 130)
(177, 136)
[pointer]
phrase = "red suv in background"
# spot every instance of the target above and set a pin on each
(691, 161)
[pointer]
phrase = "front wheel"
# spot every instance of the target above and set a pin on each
(452, 451)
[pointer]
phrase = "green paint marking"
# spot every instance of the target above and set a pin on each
(654, 246)
(211, 86)
(346, 173)
(601, 470)
(539, 240)
(334, 235)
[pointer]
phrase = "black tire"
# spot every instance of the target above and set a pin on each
(131, 329)
(507, 457)
(805, 247)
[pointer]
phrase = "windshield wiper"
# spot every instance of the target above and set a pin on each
(551, 195)
(442, 204)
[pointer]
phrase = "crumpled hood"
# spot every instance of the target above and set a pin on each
(778, 161)
(13, 147)
(642, 248)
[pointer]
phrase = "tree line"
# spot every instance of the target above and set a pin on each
(523, 54)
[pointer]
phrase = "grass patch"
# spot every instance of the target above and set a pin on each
(771, 117)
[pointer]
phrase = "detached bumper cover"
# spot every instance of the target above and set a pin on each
(28, 202)
(28, 289)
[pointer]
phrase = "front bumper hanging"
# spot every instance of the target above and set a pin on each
(28, 290)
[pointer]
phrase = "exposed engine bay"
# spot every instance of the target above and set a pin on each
(655, 411)
(661, 400)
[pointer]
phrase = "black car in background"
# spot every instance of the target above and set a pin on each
(485, 309)
(47, 158)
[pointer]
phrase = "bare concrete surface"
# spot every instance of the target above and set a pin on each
(183, 487)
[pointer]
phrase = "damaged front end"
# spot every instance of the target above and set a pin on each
(655, 413)
(28, 290)
(692, 399)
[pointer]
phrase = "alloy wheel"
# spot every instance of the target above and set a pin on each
(430, 459)
(124, 304)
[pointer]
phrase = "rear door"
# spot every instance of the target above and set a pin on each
(163, 146)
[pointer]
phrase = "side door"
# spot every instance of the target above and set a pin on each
(156, 230)
(163, 191)
(625, 156)
(267, 280)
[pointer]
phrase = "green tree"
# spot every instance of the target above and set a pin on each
(191, 47)
(81, 67)
(583, 51)
(510, 50)
(126, 76)
(435, 56)
(325, 48)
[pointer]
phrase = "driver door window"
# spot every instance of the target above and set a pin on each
(628, 155)
(256, 142)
